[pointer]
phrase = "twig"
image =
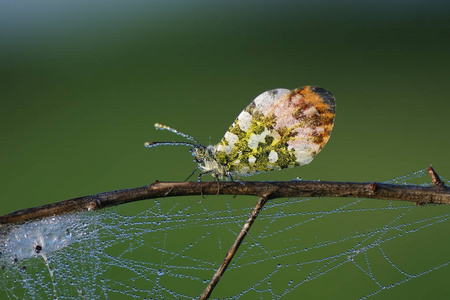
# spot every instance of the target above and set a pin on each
(262, 200)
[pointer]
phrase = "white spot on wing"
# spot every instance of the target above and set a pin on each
(310, 111)
(232, 139)
(273, 156)
(255, 139)
(243, 170)
(264, 100)
(304, 152)
(244, 120)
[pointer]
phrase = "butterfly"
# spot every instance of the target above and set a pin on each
(279, 129)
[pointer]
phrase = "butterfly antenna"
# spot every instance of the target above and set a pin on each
(164, 127)
(156, 144)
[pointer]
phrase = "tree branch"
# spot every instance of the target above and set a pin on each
(437, 194)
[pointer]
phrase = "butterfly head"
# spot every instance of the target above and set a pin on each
(205, 157)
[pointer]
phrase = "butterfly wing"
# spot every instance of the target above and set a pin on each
(279, 129)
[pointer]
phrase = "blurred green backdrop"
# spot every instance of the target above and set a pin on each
(82, 83)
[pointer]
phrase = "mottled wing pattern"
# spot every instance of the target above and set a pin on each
(279, 129)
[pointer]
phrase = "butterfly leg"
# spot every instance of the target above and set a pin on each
(218, 183)
(235, 178)
(200, 180)
(201, 174)
(195, 170)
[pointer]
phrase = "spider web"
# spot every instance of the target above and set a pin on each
(300, 247)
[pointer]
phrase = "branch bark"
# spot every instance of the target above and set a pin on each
(436, 194)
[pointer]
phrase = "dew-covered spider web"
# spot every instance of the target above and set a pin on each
(297, 248)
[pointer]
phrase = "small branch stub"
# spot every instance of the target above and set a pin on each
(94, 205)
(435, 177)
(372, 188)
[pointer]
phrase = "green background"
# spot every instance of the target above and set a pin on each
(81, 85)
